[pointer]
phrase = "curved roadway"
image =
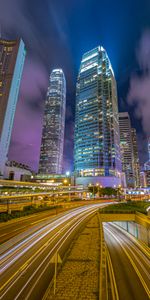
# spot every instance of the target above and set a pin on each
(26, 269)
(131, 263)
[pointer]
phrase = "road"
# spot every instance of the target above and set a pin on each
(26, 269)
(11, 228)
(131, 265)
(16, 226)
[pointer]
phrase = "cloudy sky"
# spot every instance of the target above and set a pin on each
(56, 34)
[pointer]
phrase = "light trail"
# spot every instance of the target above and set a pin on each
(133, 256)
(63, 239)
(35, 238)
(69, 221)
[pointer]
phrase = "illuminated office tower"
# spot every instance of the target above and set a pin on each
(51, 156)
(126, 144)
(97, 138)
(136, 164)
(147, 164)
(12, 56)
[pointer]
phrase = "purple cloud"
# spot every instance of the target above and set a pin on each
(139, 91)
(27, 129)
(44, 29)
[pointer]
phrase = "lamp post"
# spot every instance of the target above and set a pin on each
(90, 185)
(69, 194)
(118, 192)
(97, 184)
(93, 191)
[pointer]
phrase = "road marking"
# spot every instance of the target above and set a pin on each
(26, 263)
(112, 277)
(66, 234)
(39, 220)
(144, 248)
(133, 264)
(78, 214)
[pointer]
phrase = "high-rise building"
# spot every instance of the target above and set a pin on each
(127, 148)
(149, 148)
(12, 56)
(147, 164)
(136, 164)
(97, 137)
(51, 156)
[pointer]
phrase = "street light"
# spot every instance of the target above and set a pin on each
(65, 181)
(97, 184)
(90, 185)
(69, 193)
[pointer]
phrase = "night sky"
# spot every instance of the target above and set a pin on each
(56, 34)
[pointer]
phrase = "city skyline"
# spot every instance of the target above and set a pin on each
(49, 169)
(75, 149)
(72, 164)
(63, 29)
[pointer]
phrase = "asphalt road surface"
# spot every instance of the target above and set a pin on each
(26, 268)
(16, 226)
(19, 225)
(131, 265)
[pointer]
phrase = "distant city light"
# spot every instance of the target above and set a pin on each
(67, 173)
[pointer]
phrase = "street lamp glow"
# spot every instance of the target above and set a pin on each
(67, 173)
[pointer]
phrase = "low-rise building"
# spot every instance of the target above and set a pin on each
(145, 178)
(17, 171)
(53, 179)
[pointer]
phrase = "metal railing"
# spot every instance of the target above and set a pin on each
(103, 288)
(107, 282)
(113, 286)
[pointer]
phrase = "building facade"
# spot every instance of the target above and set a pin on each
(51, 155)
(12, 56)
(147, 164)
(127, 148)
(147, 174)
(97, 137)
(17, 171)
(136, 164)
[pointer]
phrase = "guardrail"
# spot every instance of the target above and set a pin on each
(142, 219)
(107, 282)
(103, 288)
(113, 286)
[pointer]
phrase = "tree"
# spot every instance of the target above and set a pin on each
(109, 191)
(93, 189)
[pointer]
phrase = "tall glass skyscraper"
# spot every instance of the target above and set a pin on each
(12, 56)
(127, 153)
(51, 156)
(97, 138)
(136, 163)
(147, 164)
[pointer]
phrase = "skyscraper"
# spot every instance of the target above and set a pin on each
(12, 56)
(97, 138)
(136, 164)
(51, 156)
(127, 148)
(147, 164)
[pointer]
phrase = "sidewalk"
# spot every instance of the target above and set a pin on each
(79, 276)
